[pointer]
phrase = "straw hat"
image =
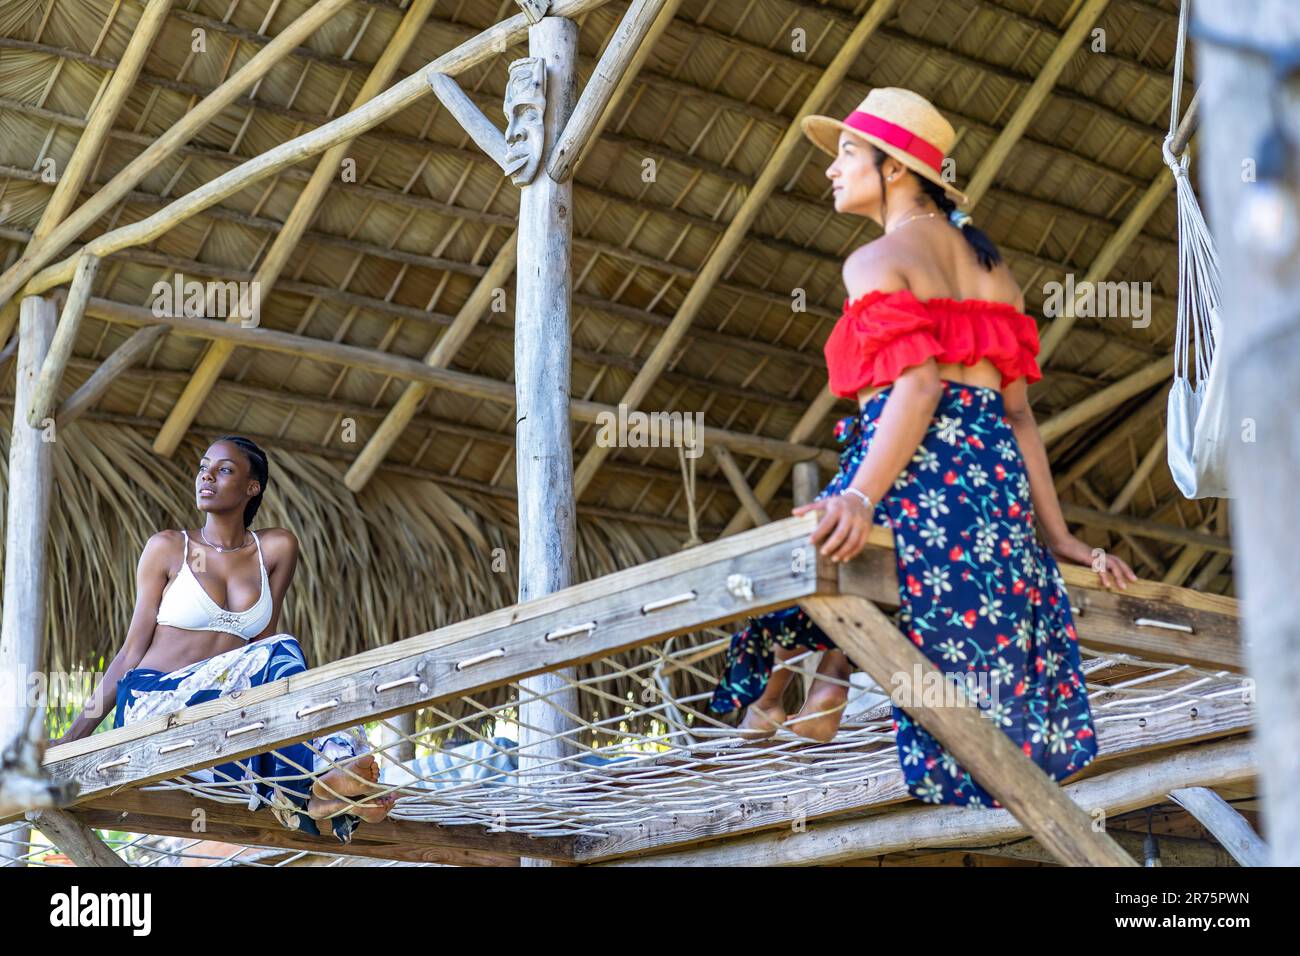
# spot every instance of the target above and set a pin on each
(903, 124)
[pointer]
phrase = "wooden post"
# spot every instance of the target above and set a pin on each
(543, 443)
(1261, 343)
(871, 641)
(31, 475)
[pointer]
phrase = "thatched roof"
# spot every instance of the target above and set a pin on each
(389, 259)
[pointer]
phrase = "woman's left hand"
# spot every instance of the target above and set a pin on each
(1113, 570)
(845, 529)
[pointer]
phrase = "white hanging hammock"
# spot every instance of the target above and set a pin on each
(1197, 422)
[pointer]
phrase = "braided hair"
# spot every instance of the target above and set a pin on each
(985, 250)
(260, 467)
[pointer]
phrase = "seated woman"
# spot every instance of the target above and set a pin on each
(184, 647)
(936, 349)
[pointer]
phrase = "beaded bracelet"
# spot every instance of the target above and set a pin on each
(866, 499)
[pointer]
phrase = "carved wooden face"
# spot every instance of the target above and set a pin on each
(524, 107)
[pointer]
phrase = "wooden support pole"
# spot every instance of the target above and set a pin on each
(106, 196)
(726, 248)
(600, 87)
(77, 841)
(30, 485)
(326, 173)
(543, 443)
(739, 486)
(28, 491)
(65, 335)
(476, 306)
(123, 357)
(871, 641)
(1244, 97)
(95, 135)
(1115, 792)
(1228, 826)
(807, 482)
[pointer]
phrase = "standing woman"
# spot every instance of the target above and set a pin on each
(936, 349)
(186, 645)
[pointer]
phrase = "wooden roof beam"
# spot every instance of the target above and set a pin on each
(42, 251)
(398, 366)
(286, 240)
(732, 237)
(92, 140)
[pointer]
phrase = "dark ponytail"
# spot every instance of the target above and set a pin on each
(985, 250)
(260, 468)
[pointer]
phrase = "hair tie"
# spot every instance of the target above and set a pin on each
(959, 219)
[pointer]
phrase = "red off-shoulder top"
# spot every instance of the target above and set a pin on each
(880, 334)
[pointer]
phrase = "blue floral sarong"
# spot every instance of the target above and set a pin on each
(978, 594)
(282, 778)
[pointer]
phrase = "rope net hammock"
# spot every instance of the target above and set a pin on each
(684, 767)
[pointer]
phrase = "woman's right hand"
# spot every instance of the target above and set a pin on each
(845, 529)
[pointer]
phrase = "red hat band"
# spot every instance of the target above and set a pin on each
(895, 135)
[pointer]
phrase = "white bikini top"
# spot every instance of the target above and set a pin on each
(186, 605)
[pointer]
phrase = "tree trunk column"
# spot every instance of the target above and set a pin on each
(543, 445)
(31, 475)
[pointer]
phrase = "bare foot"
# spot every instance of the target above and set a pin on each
(372, 811)
(341, 780)
(819, 718)
(761, 720)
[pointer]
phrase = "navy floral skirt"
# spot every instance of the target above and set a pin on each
(978, 594)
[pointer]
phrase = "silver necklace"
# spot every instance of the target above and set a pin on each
(217, 547)
(927, 215)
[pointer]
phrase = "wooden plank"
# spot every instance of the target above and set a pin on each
(77, 841)
(1228, 826)
(459, 841)
(871, 641)
(461, 658)
(906, 829)
(1106, 620)
(274, 836)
